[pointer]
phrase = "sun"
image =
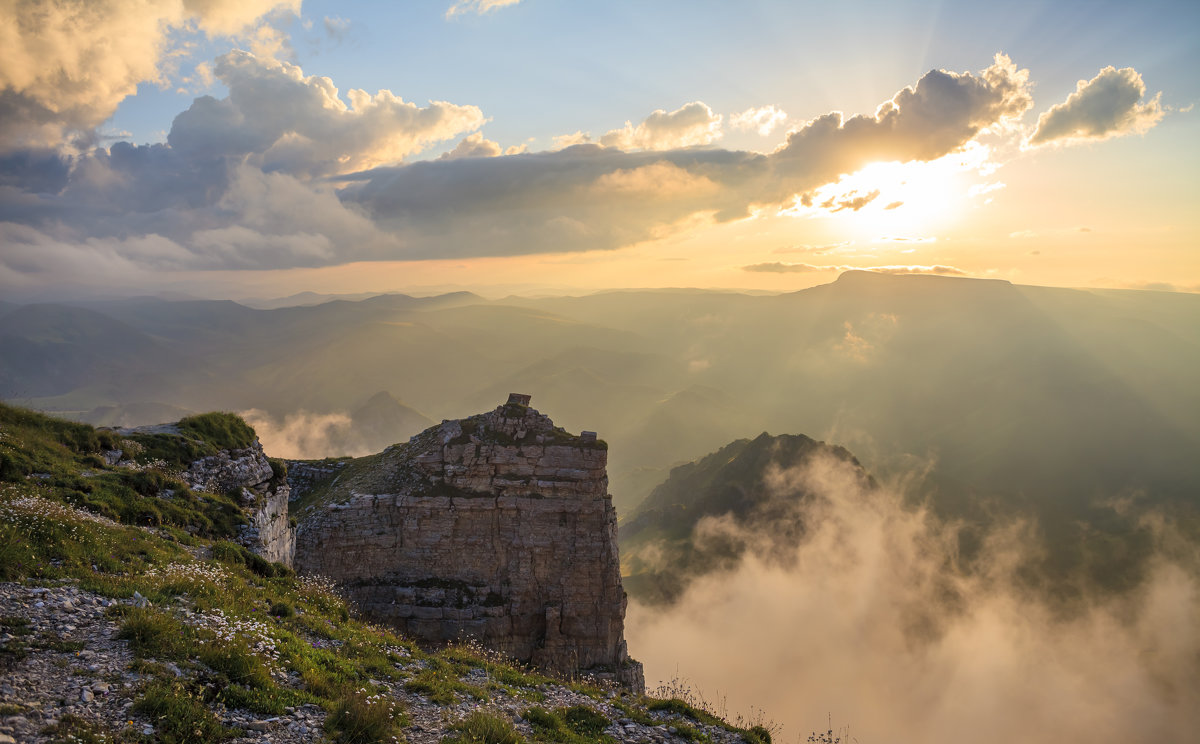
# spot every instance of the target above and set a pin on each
(903, 201)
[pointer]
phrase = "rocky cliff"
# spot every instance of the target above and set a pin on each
(264, 495)
(497, 527)
(244, 471)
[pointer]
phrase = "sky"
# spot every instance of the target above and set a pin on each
(256, 148)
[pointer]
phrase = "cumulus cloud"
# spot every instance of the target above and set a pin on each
(871, 617)
(764, 120)
(1108, 105)
(283, 173)
(940, 115)
(286, 121)
(64, 65)
(473, 146)
(687, 126)
(479, 7)
(578, 137)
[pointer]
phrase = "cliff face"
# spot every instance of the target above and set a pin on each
(497, 527)
(264, 497)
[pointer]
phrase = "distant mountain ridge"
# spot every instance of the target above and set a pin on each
(1050, 396)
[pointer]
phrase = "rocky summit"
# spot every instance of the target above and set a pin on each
(497, 527)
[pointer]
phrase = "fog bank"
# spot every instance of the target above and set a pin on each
(870, 621)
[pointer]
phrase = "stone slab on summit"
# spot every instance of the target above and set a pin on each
(497, 527)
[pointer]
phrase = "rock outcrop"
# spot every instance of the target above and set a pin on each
(497, 527)
(264, 496)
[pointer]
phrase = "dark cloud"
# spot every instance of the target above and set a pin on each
(1108, 105)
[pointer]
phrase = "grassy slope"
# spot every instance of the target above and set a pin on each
(67, 518)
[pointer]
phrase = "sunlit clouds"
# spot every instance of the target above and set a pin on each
(281, 164)
(1108, 105)
(282, 120)
(763, 120)
(689, 125)
(65, 66)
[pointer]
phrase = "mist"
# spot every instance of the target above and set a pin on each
(873, 620)
(304, 435)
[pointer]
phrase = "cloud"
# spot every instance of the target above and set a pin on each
(690, 125)
(284, 173)
(852, 201)
(660, 180)
(1108, 105)
(336, 27)
(941, 114)
(64, 65)
(872, 617)
(763, 120)
(479, 7)
(778, 267)
(894, 205)
(579, 137)
(473, 146)
(286, 121)
(916, 269)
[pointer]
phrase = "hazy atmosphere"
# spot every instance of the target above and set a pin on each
(887, 312)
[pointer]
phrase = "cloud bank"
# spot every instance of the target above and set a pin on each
(867, 620)
(288, 171)
(1108, 105)
(64, 66)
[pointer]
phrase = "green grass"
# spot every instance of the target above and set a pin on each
(439, 681)
(179, 714)
(681, 707)
(483, 728)
(254, 636)
(199, 436)
(578, 724)
(219, 430)
(360, 718)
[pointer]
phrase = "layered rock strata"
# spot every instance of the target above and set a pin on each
(498, 527)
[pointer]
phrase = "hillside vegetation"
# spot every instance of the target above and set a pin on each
(127, 614)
